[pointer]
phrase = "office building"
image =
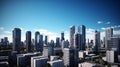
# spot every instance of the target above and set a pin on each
(108, 35)
(62, 36)
(46, 40)
(114, 44)
(47, 51)
(41, 43)
(39, 61)
(82, 31)
(28, 41)
(72, 31)
(97, 41)
(70, 57)
(37, 41)
(16, 39)
(77, 41)
(57, 42)
(111, 56)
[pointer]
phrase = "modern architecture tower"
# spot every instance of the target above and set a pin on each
(82, 31)
(97, 41)
(46, 40)
(77, 41)
(16, 39)
(62, 36)
(108, 35)
(37, 41)
(72, 31)
(28, 41)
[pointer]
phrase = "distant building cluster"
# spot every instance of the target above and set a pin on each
(38, 52)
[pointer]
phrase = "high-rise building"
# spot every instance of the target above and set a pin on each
(57, 42)
(37, 41)
(108, 35)
(16, 39)
(46, 40)
(111, 56)
(97, 41)
(28, 41)
(41, 43)
(77, 41)
(62, 36)
(72, 31)
(39, 61)
(70, 57)
(114, 44)
(82, 31)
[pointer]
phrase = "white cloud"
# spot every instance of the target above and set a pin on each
(108, 22)
(99, 22)
(103, 28)
(90, 33)
(116, 32)
(51, 35)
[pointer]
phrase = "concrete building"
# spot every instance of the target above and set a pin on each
(114, 43)
(28, 41)
(24, 59)
(111, 56)
(39, 61)
(56, 63)
(57, 42)
(70, 57)
(16, 39)
(108, 35)
(72, 31)
(62, 36)
(47, 51)
(97, 41)
(77, 41)
(82, 31)
(37, 41)
(46, 40)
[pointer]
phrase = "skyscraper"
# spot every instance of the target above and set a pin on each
(46, 40)
(114, 44)
(108, 35)
(72, 31)
(16, 39)
(82, 31)
(57, 42)
(41, 43)
(62, 36)
(97, 41)
(28, 41)
(37, 41)
(77, 41)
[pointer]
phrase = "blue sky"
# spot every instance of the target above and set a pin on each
(54, 16)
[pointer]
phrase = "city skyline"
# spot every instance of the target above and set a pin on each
(52, 17)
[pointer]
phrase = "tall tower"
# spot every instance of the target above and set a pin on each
(57, 42)
(72, 31)
(77, 41)
(97, 41)
(62, 36)
(28, 41)
(82, 31)
(108, 35)
(37, 41)
(16, 39)
(41, 43)
(46, 40)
